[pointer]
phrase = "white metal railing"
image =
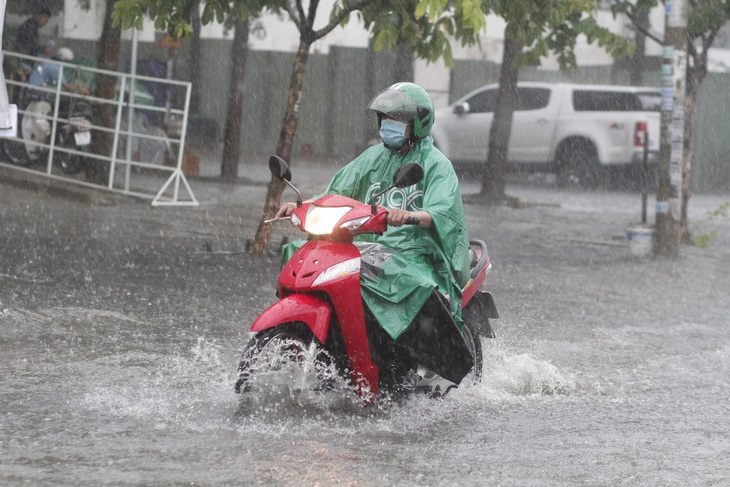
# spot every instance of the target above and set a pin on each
(130, 172)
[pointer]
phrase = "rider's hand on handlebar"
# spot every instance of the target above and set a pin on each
(286, 210)
(398, 217)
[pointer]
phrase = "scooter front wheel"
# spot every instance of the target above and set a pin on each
(14, 151)
(275, 348)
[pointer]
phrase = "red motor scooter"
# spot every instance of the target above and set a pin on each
(320, 312)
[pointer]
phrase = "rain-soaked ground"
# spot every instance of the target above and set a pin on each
(121, 327)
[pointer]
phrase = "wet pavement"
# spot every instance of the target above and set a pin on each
(121, 325)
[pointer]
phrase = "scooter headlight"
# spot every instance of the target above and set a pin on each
(321, 220)
(294, 219)
(353, 225)
(338, 270)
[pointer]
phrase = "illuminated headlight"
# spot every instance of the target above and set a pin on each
(355, 224)
(321, 220)
(342, 269)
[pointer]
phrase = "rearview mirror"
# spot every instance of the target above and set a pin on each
(407, 175)
(279, 168)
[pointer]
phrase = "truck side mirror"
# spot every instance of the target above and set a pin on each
(461, 109)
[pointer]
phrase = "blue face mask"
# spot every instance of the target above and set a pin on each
(393, 133)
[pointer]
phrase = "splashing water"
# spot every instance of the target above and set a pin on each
(523, 375)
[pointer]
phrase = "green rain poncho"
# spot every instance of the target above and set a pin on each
(423, 259)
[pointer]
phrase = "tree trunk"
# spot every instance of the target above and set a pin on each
(195, 58)
(103, 115)
(403, 64)
(493, 181)
(283, 147)
(638, 60)
(232, 131)
(695, 76)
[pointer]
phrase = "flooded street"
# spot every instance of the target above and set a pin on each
(121, 326)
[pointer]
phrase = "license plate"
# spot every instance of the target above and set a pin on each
(82, 138)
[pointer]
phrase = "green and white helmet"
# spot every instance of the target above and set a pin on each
(406, 102)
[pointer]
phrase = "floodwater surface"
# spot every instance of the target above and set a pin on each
(120, 332)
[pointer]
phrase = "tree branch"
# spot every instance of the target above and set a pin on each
(313, 4)
(293, 14)
(335, 21)
(637, 24)
(300, 10)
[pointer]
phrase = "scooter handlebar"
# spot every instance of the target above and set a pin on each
(273, 220)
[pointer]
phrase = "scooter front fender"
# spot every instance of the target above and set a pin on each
(315, 312)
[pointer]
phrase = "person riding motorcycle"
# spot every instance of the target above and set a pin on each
(38, 103)
(413, 266)
(48, 73)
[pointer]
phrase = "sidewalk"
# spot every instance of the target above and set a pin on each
(254, 168)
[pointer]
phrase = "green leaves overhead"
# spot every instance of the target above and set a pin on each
(427, 27)
(708, 16)
(546, 26)
(173, 16)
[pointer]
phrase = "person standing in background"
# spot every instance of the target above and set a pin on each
(28, 40)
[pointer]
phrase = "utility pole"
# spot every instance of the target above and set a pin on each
(8, 112)
(674, 76)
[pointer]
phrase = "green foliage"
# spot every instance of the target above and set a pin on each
(426, 27)
(422, 25)
(706, 238)
(705, 16)
(553, 26)
(172, 16)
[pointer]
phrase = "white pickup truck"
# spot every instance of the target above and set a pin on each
(578, 131)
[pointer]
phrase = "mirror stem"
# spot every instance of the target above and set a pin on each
(299, 195)
(373, 206)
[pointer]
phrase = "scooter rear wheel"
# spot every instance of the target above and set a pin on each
(471, 336)
(70, 163)
(271, 349)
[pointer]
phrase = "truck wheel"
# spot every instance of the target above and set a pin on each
(579, 168)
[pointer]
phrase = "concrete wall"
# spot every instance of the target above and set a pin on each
(711, 170)
(333, 123)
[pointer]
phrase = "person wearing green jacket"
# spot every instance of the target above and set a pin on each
(408, 265)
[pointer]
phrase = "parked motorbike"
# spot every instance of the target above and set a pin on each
(320, 311)
(72, 133)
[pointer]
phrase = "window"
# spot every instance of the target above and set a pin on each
(532, 98)
(483, 102)
(651, 101)
(606, 101)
